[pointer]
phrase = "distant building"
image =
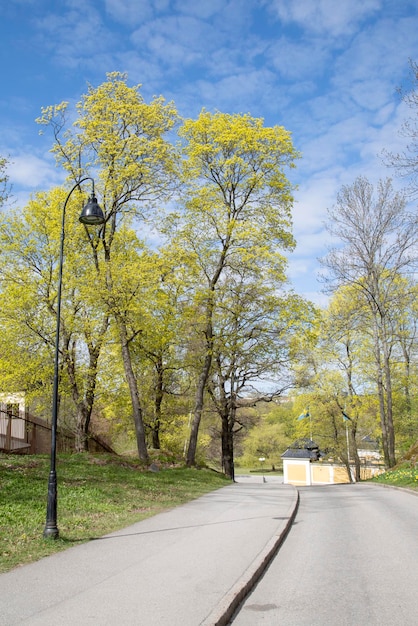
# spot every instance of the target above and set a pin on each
(301, 466)
(368, 450)
(303, 448)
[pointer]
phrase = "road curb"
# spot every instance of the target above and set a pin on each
(414, 492)
(224, 611)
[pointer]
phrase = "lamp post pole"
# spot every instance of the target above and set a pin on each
(262, 459)
(91, 214)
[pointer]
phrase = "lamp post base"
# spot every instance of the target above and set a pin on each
(51, 532)
(51, 528)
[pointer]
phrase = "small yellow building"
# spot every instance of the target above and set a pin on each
(301, 466)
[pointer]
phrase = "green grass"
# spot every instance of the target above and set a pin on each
(404, 475)
(97, 494)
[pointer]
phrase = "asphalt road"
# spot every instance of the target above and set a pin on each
(350, 559)
(186, 566)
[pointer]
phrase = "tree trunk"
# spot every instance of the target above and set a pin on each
(228, 446)
(81, 429)
(155, 433)
(200, 391)
(381, 395)
(159, 394)
(390, 431)
(133, 389)
(204, 375)
(198, 410)
(353, 442)
(407, 392)
(84, 404)
(346, 462)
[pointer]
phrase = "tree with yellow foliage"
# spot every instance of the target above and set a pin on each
(29, 250)
(235, 213)
(120, 139)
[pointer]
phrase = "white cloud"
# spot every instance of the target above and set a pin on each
(325, 16)
(75, 34)
(241, 92)
(129, 12)
(32, 172)
(177, 41)
(304, 58)
(202, 9)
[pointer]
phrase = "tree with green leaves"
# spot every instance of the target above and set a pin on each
(122, 140)
(343, 346)
(379, 240)
(159, 350)
(236, 207)
(254, 323)
(29, 251)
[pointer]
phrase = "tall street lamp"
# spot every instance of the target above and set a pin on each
(90, 215)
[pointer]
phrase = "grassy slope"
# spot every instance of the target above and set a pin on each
(96, 495)
(100, 494)
(405, 474)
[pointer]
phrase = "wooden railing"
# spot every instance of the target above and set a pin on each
(36, 436)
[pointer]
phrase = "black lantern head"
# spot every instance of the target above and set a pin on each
(92, 213)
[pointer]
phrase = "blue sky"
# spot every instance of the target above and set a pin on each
(327, 70)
